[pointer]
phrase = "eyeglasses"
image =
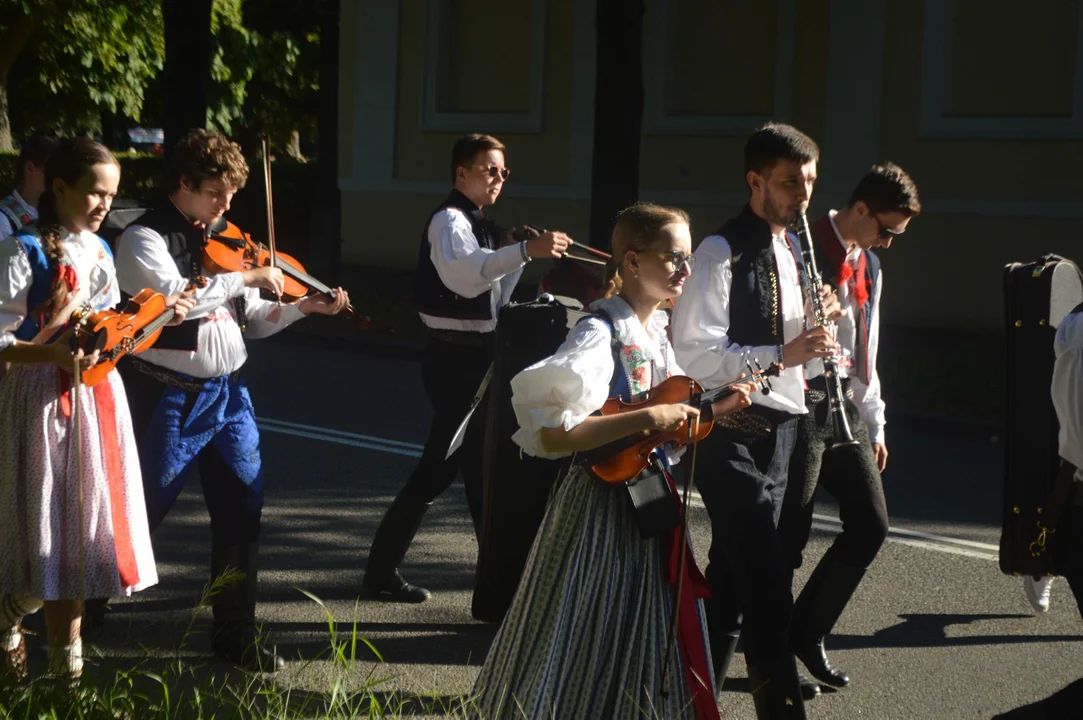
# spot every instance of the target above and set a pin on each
(493, 171)
(676, 259)
(884, 231)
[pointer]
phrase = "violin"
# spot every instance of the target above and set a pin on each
(227, 248)
(620, 461)
(116, 333)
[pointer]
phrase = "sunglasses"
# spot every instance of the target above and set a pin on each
(884, 231)
(493, 171)
(676, 259)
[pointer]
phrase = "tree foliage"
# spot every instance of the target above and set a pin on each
(83, 58)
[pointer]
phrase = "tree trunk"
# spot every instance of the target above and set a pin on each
(293, 149)
(618, 114)
(325, 245)
(185, 77)
(6, 143)
(11, 45)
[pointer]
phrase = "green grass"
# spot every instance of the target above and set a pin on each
(175, 688)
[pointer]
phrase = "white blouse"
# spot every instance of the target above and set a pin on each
(83, 251)
(566, 388)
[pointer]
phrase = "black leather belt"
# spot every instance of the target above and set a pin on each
(817, 389)
(171, 378)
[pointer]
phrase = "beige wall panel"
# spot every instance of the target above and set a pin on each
(484, 47)
(535, 159)
(347, 84)
(947, 269)
(716, 164)
(720, 57)
(1031, 75)
(1037, 170)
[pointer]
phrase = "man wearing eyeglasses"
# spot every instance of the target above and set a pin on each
(880, 209)
(466, 270)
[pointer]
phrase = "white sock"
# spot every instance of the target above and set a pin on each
(13, 608)
(10, 639)
(66, 659)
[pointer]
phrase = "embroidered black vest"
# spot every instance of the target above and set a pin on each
(185, 244)
(823, 232)
(755, 298)
(431, 295)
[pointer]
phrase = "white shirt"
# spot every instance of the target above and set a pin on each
(83, 251)
(469, 269)
(701, 324)
(867, 397)
(565, 389)
(6, 227)
(1067, 389)
(143, 261)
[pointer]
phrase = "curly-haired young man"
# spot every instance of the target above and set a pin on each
(189, 404)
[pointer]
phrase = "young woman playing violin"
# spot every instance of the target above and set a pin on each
(586, 635)
(72, 518)
(192, 406)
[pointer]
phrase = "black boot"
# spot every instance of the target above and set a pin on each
(722, 651)
(815, 613)
(810, 689)
(237, 638)
(393, 538)
(776, 698)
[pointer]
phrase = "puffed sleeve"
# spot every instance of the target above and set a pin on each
(563, 390)
(15, 280)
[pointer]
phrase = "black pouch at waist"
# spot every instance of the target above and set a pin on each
(656, 506)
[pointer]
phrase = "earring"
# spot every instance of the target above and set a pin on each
(636, 275)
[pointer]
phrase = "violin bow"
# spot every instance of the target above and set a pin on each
(693, 432)
(266, 141)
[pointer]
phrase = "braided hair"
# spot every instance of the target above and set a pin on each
(71, 162)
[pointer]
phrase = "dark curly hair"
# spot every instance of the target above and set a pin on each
(206, 155)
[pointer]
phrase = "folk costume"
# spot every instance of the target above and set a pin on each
(743, 301)
(1067, 391)
(462, 280)
(44, 555)
(15, 213)
(586, 633)
(191, 407)
(850, 474)
(1067, 395)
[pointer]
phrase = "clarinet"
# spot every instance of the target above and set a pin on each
(813, 283)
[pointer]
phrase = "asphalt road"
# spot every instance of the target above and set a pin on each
(935, 630)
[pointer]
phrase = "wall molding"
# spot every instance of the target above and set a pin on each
(936, 87)
(656, 121)
(435, 120)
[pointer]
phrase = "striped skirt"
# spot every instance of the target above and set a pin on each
(587, 629)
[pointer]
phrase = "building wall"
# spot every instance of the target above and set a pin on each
(987, 128)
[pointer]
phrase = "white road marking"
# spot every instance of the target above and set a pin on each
(827, 523)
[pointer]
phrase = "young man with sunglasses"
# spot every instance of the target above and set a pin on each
(880, 209)
(743, 301)
(466, 270)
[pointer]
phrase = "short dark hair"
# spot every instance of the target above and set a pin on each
(778, 141)
(37, 150)
(887, 188)
(206, 155)
(469, 147)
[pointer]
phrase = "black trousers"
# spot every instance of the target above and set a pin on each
(849, 474)
(742, 482)
(451, 374)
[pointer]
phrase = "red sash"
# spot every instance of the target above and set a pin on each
(689, 632)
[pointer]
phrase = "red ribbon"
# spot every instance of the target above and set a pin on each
(114, 472)
(690, 641)
(823, 232)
